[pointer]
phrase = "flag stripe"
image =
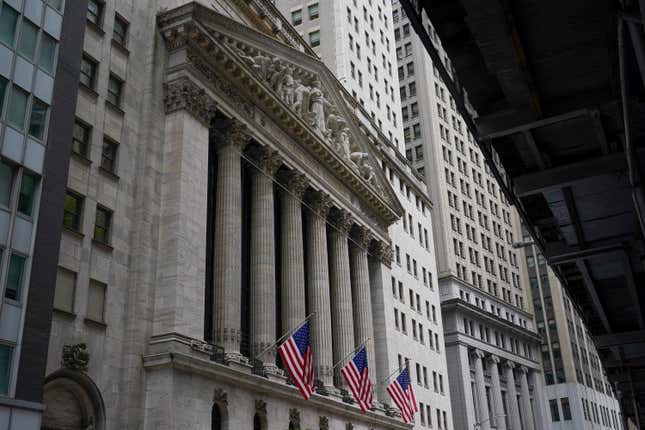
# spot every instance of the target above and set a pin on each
(357, 376)
(299, 366)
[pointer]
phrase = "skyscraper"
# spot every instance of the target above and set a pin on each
(491, 343)
(577, 389)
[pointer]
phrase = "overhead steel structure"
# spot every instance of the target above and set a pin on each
(556, 89)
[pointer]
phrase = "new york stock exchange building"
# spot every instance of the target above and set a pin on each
(249, 198)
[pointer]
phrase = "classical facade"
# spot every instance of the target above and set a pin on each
(490, 340)
(220, 191)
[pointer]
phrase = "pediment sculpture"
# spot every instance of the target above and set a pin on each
(305, 95)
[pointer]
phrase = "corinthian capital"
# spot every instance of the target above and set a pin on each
(295, 182)
(185, 94)
(341, 219)
(231, 132)
(266, 159)
(362, 236)
(320, 203)
(383, 251)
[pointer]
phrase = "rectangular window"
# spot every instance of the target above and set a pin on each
(15, 277)
(73, 211)
(96, 301)
(115, 87)
(88, 72)
(555, 413)
(314, 38)
(120, 33)
(6, 354)
(3, 90)
(296, 17)
(47, 56)
(102, 224)
(8, 23)
(27, 40)
(6, 184)
(313, 11)
(26, 196)
(81, 139)
(95, 12)
(17, 107)
(37, 119)
(108, 155)
(65, 290)
(566, 409)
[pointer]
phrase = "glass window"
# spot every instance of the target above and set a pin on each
(37, 119)
(6, 353)
(566, 409)
(120, 32)
(94, 11)
(26, 197)
(56, 4)
(114, 91)
(314, 38)
(73, 211)
(102, 225)
(27, 41)
(555, 413)
(296, 17)
(47, 56)
(3, 90)
(108, 155)
(81, 139)
(96, 301)
(14, 277)
(17, 107)
(65, 289)
(6, 183)
(88, 72)
(8, 22)
(313, 11)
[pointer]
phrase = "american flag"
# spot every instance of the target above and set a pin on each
(357, 375)
(401, 392)
(298, 358)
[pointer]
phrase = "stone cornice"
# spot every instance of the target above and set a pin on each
(223, 374)
(185, 94)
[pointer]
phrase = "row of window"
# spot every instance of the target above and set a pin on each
(65, 295)
(95, 12)
(425, 417)
(73, 217)
(23, 110)
(421, 373)
(81, 143)
(313, 11)
(413, 268)
(501, 340)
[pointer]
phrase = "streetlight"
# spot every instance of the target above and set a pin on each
(479, 424)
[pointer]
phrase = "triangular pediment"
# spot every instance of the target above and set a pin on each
(311, 93)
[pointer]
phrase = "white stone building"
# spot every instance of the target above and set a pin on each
(220, 190)
(490, 341)
(579, 394)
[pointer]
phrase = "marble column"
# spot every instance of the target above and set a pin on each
(511, 397)
(341, 288)
(292, 272)
(361, 295)
(227, 271)
(262, 265)
(496, 392)
(318, 287)
(539, 401)
(527, 413)
(480, 388)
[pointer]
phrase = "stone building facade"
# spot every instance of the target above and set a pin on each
(220, 191)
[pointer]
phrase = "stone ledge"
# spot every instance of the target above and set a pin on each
(223, 374)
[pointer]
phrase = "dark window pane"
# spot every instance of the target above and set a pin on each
(73, 210)
(6, 353)
(27, 41)
(3, 90)
(37, 119)
(26, 197)
(114, 91)
(8, 21)
(47, 56)
(80, 139)
(108, 156)
(102, 225)
(88, 72)
(6, 183)
(120, 30)
(14, 277)
(94, 11)
(17, 108)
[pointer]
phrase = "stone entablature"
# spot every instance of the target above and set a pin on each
(292, 88)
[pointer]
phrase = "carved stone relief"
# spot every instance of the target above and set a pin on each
(76, 357)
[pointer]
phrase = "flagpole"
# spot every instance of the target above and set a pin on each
(393, 373)
(355, 349)
(284, 336)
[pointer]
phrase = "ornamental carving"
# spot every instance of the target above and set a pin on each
(294, 418)
(303, 92)
(266, 159)
(261, 407)
(323, 423)
(383, 251)
(320, 203)
(295, 182)
(184, 94)
(362, 236)
(76, 357)
(220, 396)
(341, 219)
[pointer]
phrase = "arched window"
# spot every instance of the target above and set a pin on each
(257, 422)
(216, 418)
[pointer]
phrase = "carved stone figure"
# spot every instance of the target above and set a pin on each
(76, 357)
(316, 107)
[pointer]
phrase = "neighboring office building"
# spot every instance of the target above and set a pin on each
(355, 39)
(489, 332)
(579, 394)
(192, 174)
(39, 57)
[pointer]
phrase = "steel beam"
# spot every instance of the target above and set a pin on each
(619, 339)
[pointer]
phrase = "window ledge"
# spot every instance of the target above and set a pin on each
(99, 324)
(81, 158)
(89, 91)
(65, 314)
(97, 29)
(109, 174)
(115, 108)
(77, 234)
(105, 246)
(125, 51)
